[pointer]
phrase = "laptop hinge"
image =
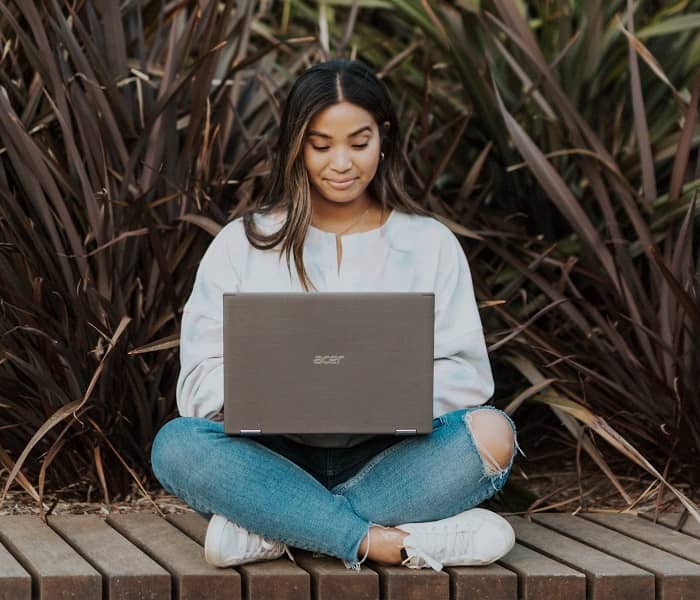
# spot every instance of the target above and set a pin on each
(250, 431)
(406, 431)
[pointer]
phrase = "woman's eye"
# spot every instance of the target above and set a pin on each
(324, 148)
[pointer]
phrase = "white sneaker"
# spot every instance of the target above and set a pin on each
(227, 544)
(474, 537)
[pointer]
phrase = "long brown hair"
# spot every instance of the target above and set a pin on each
(318, 87)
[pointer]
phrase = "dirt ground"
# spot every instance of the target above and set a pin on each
(65, 503)
(553, 490)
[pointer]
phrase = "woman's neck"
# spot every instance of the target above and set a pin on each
(334, 221)
(358, 215)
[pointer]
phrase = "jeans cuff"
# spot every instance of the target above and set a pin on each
(355, 564)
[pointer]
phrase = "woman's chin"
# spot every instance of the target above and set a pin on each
(337, 197)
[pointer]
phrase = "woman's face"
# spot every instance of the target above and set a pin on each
(341, 152)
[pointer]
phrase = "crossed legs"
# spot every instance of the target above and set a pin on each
(417, 479)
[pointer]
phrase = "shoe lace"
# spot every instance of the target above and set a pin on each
(423, 548)
(268, 544)
(419, 558)
(289, 554)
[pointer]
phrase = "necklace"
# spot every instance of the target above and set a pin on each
(355, 222)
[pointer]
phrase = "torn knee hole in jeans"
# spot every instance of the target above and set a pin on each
(491, 465)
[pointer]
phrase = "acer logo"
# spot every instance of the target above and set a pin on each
(328, 359)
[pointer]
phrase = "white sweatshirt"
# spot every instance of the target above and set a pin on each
(407, 253)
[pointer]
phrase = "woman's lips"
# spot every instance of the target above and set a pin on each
(341, 185)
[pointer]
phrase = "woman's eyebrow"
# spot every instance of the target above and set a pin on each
(354, 133)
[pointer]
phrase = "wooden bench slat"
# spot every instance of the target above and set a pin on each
(662, 537)
(690, 527)
(331, 580)
(397, 582)
(193, 525)
(127, 572)
(279, 579)
(675, 577)
(491, 582)
(541, 578)
(275, 579)
(192, 577)
(57, 570)
(609, 555)
(607, 577)
(15, 582)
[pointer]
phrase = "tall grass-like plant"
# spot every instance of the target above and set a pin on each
(598, 290)
(128, 136)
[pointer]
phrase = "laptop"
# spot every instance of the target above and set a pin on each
(328, 363)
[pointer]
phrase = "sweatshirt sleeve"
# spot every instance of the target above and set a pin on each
(461, 369)
(200, 384)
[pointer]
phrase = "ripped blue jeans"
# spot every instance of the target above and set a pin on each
(325, 499)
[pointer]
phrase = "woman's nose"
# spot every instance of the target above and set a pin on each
(340, 161)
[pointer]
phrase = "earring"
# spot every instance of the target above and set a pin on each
(381, 155)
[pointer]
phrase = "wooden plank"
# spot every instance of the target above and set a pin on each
(192, 577)
(398, 582)
(57, 570)
(672, 520)
(127, 572)
(15, 582)
(279, 579)
(607, 578)
(662, 537)
(331, 580)
(541, 578)
(192, 524)
(675, 577)
(491, 582)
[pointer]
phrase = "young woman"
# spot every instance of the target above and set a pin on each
(337, 211)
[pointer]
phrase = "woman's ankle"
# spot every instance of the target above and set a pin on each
(385, 545)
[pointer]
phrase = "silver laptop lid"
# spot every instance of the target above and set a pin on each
(328, 363)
